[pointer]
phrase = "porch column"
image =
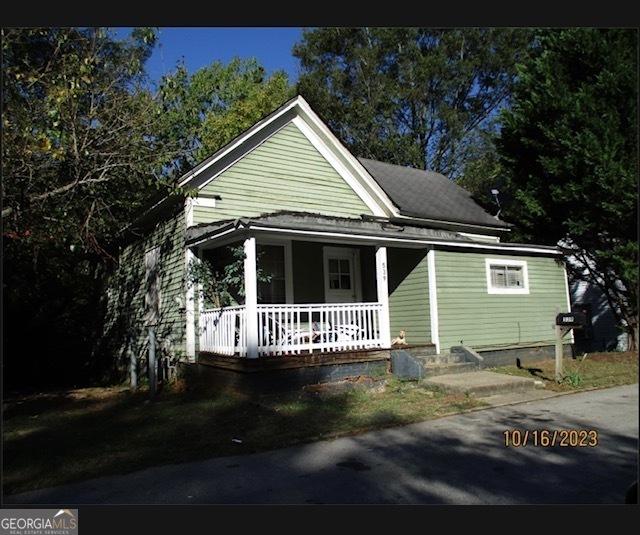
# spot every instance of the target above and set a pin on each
(433, 299)
(251, 296)
(190, 316)
(383, 295)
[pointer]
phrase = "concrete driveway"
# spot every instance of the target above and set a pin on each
(458, 459)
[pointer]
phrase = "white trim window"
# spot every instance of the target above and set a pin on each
(507, 276)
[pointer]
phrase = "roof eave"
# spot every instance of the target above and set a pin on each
(240, 227)
(503, 227)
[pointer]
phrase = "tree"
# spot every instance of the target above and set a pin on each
(410, 96)
(79, 159)
(483, 173)
(569, 147)
(204, 111)
(86, 146)
(78, 131)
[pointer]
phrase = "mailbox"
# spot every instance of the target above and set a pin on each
(571, 319)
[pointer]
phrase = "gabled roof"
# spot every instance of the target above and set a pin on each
(298, 112)
(425, 194)
(389, 190)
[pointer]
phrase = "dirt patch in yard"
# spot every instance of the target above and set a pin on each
(361, 382)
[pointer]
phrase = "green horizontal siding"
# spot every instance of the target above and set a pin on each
(286, 172)
(409, 295)
(468, 315)
(125, 326)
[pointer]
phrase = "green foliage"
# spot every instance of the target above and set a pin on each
(573, 378)
(483, 172)
(79, 160)
(77, 133)
(410, 96)
(569, 147)
(221, 285)
(86, 146)
(202, 112)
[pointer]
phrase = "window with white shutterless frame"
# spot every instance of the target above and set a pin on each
(506, 276)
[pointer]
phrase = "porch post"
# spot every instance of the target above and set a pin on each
(383, 295)
(190, 315)
(433, 299)
(251, 296)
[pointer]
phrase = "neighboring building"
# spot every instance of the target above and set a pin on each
(357, 250)
(603, 332)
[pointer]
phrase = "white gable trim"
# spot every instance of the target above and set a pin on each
(229, 148)
(190, 203)
(300, 113)
(337, 165)
(355, 168)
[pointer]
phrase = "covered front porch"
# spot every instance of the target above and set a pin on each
(328, 287)
(319, 297)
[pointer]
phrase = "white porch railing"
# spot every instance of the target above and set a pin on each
(223, 330)
(293, 329)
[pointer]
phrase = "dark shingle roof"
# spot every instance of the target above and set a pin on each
(429, 195)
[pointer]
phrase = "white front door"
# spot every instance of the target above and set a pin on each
(342, 275)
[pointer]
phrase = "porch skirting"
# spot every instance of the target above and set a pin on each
(273, 374)
(272, 363)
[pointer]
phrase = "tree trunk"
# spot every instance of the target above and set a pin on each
(632, 335)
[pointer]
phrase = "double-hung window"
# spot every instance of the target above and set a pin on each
(507, 276)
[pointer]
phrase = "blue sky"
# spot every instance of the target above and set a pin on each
(201, 46)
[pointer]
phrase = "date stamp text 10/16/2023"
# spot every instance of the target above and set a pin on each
(546, 438)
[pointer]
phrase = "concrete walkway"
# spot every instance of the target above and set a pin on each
(481, 383)
(458, 459)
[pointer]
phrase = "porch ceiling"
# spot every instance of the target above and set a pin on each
(368, 229)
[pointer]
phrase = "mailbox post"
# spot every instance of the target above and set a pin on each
(564, 324)
(559, 352)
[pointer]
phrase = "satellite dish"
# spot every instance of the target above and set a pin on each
(495, 193)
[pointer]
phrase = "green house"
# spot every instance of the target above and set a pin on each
(355, 251)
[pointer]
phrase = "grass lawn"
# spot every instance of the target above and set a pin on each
(596, 370)
(56, 438)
